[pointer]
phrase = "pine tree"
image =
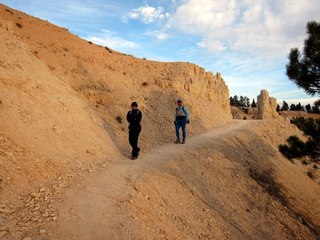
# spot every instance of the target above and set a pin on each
(253, 103)
(285, 106)
(308, 107)
(278, 108)
(304, 70)
(293, 107)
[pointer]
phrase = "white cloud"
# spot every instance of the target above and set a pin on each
(147, 14)
(110, 39)
(250, 26)
(212, 45)
(80, 9)
(158, 35)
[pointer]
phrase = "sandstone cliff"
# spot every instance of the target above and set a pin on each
(64, 99)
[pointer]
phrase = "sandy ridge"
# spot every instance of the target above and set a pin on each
(90, 210)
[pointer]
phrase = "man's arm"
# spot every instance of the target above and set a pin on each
(187, 114)
(128, 116)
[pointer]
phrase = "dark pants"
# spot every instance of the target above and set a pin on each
(133, 140)
(181, 123)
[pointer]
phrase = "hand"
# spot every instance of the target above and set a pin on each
(188, 121)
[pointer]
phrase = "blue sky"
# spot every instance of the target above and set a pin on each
(247, 41)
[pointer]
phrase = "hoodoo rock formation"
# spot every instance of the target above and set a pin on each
(266, 106)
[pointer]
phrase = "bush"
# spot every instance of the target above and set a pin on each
(19, 25)
(297, 148)
(309, 126)
(108, 49)
(119, 119)
(144, 84)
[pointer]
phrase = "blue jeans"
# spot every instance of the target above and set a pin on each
(181, 123)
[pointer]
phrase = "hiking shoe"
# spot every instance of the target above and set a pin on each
(177, 141)
(138, 152)
(183, 142)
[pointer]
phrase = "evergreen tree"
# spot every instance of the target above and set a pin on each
(253, 103)
(299, 107)
(304, 70)
(248, 102)
(231, 101)
(285, 106)
(236, 100)
(278, 108)
(292, 107)
(308, 107)
(316, 106)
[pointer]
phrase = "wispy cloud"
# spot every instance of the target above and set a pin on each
(112, 40)
(147, 14)
(160, 35)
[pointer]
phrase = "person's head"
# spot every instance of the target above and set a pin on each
(179, 102)
(134, 105)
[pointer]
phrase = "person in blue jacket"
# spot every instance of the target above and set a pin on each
(181, 118)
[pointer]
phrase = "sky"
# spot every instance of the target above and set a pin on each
(247, 41)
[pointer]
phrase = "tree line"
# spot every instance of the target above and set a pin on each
(242, 101)
(298, 107)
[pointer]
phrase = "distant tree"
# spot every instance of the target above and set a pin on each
(241, 102)
(292, 107)
(299, 107)
(253, 103)
(231, 101)
(308, 108)
(278, 108)
(236, 100)
(305, 71)
(247, 102)
(316, 106)
(285, 106)
(315, 110)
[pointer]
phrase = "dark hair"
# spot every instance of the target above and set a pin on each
(134, 104)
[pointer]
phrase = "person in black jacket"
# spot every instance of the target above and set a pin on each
(134, 118)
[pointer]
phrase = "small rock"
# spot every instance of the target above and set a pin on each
(27, 238)
(42, 190)
(3, 233)
(35, 195)
(6, 211)
(45, 214)
(42, 231)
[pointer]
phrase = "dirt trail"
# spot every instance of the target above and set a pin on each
(89, 211)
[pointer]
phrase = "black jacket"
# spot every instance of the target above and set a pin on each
(134, 118)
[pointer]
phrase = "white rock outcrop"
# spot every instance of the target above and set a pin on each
(266, 106)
